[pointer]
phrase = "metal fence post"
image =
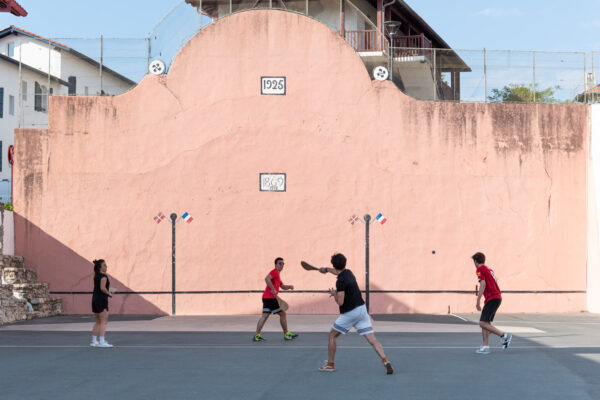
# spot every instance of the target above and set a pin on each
(434, 76)
(173, 221)
(533, 63)
(485, 76)
(49, 82)
(101, 61)
(367, 222)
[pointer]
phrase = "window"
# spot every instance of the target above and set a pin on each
(38, 98)
(44, 99)
(10, 49)
(11, 105)
(72, 86)
(24, 90)
(1, 102)
(85, 90)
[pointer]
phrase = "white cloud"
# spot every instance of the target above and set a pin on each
(499, 12)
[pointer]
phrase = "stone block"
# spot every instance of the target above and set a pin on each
(11, 275)
(31, 290)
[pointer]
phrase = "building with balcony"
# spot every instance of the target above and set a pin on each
(389, 34)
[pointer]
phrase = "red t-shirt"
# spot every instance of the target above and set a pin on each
(492, 290)
(276, 281)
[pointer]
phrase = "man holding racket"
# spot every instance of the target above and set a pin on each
(353, 313)
(488, 287)
(270, 303)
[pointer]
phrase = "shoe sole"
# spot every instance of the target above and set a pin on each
(326, 370)
(389, 369)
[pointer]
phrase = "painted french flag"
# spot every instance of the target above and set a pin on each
(187, 217)
(380, 218)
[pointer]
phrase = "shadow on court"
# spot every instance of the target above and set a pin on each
(227, 365)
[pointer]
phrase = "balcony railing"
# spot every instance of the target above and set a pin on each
(363, 40)
(412, 46)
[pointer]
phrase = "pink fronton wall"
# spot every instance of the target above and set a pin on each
(507, 180)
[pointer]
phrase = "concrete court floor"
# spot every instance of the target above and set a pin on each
(553, 356)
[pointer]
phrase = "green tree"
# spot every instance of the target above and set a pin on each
(515, 93)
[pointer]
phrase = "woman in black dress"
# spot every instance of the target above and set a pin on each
(100, 304)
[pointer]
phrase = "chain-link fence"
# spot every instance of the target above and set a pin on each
(490, 75)
(112, 66)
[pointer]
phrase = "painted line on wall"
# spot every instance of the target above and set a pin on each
(326, 291)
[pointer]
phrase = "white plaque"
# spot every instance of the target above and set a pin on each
(272, 85)
(272, 182)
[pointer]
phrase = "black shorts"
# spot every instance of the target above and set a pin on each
(271, 306)
(99, 305)
(489, 310)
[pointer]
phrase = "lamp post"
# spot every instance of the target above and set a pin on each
(393, 27)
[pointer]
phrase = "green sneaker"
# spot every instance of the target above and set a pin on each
(258, 338)
(290, 336)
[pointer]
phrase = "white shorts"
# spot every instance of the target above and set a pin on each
(357, 318)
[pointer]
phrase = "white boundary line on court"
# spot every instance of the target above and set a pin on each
(459, 317)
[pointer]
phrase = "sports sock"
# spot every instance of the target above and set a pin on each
(94, 338)
(384, 360)
(102, 340)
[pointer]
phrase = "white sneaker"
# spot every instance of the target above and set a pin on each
(94, 344)
(483, 350)
(105, 344)
(506, 340)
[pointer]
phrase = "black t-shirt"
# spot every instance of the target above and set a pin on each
(98, 294)
(346, 282)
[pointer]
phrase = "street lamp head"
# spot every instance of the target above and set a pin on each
(173, 217)
(393, 26)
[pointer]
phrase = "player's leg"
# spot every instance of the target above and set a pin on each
(102, 333)
(332, 346)
(485, 322)
(341, 326)
(287, 335)
(283, 321)
(364, 328)
(261, 322)
(95, 330)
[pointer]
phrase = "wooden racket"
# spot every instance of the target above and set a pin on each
(308, 267)
(282, 304)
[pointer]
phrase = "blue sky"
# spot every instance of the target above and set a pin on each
(466, 24)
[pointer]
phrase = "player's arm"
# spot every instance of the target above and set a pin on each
(480, 293)
(103, 287)
(269, 281)
(337, 296)
(287, 287)
(325, 270)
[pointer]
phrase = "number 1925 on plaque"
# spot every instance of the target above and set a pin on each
(272, 85)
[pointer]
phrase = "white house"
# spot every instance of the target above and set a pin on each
(33, 68)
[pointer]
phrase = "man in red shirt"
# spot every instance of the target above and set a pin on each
(488, 287)
(270, 303)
